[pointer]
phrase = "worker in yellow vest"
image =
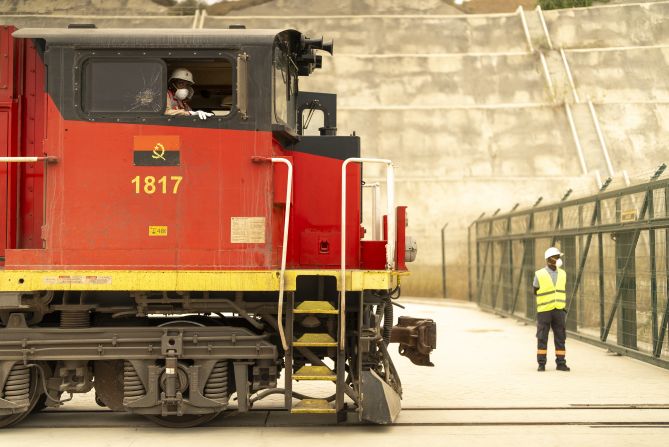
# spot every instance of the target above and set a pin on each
(550, 289)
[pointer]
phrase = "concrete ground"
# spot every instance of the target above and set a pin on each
(484, 390)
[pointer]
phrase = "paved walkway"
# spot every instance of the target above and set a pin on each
(485, 360)
(483, 391)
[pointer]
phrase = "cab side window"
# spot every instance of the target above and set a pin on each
(212, 83)
(137, 87)
(123, 86)
(285, 87)
(281, 84)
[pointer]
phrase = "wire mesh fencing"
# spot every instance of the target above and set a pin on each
(616, 257)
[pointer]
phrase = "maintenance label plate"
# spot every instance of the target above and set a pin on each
(157, 230)
(247, 230)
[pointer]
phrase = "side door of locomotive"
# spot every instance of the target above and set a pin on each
(9, 137)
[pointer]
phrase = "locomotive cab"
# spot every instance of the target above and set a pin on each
(171, 260)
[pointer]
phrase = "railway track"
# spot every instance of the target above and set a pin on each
(596, 416)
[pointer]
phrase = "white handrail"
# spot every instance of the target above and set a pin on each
(284, 249)
(577, 140)
(600, 136)
(542, 19)
(27, 159)
(203, 14)
(390, 245)
(196, 16)
(547, 75)
(598, 179)
(526, 30)
(569, 75)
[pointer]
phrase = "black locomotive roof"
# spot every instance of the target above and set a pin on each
(147, 38)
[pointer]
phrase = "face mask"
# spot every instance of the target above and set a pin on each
(181, 94)
(558, 263)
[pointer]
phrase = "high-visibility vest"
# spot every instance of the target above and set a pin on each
(551, 296)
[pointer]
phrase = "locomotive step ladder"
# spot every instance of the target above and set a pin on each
(318, 339)
(316, 307)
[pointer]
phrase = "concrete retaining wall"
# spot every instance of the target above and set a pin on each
(610, 25)
(432, 80)
(404, 34)
(630, 75)
(447, 143)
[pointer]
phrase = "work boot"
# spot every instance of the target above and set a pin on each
(563, 367)
(541, 368)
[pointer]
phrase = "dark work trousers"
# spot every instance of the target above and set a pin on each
(555, 319)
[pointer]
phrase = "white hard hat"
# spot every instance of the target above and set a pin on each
(183, 74)
(552, 252)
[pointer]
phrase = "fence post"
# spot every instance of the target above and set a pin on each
(485, 259)
(443, 260)
(665, 317)
(469, 255)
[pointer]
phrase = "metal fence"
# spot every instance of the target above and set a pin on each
(616, 255)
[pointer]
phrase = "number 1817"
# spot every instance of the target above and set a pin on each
(150, 185)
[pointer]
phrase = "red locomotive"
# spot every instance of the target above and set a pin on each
(173, 237)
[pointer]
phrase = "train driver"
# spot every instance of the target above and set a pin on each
(179, 92)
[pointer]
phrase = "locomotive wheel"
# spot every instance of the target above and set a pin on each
(35, 394)
(185, 421)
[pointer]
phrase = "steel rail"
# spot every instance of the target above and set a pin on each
(47, 419)
(453, 408)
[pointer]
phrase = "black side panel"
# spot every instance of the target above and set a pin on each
(339, 147)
